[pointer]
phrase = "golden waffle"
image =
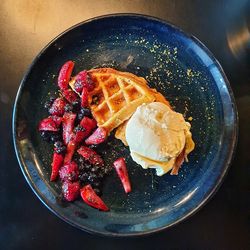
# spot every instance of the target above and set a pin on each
(116, 96)
(120, 133)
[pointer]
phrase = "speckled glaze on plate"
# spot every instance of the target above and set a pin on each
(177, 65)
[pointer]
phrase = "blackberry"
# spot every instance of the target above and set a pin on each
(87, 166)
(80, 116)
(86, 112)
(60, 148)
(93, 146)
(79, 159)
(51, 136)
(94, 169)
(45, 135)
(68, 108)
(91, 174)
(55, 136)
(76, 106)
(92, 177)
(58, 144)
(81, 167)
(83, 177)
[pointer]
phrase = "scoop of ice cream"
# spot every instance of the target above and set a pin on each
(156, 135)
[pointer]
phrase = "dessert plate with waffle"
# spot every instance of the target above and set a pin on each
(138, 130)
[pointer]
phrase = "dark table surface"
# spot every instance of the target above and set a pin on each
(27, 26)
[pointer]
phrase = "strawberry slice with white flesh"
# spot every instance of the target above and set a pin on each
(48, 124)
(68, 126)
(92, 199)
(90, 155)
(65, 74)
(57, 107)
(121, 170)
(69, 172)
(99, 136)
(70, 190)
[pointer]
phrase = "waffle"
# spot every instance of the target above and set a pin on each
(120, 133)
(116, 96)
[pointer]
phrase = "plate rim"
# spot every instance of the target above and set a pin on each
(209, 194)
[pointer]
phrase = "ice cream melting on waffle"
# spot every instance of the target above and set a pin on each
(157, 136)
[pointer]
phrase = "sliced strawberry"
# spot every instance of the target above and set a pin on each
(88, 124)
(121, 170)
(75, 139)
(80, 80)
(84, 98)
(70, 95)
(178, 162)
(90, 155)
(71, 147)
(57, 120)
(80, 134)
(65, 74)
(68, 125)
(69, 172)
(57, 107)
(92, 199)
(70, 190)
(48, 124)
(83, 80)
(99, 136)
(56, 165)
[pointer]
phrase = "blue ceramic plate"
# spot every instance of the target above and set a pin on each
(177, 65)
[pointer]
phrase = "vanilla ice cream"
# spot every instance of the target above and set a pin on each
(156, 135)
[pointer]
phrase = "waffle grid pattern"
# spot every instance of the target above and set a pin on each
(113, 94)
(116, 96)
